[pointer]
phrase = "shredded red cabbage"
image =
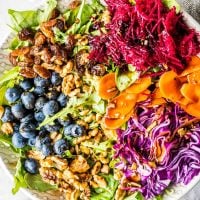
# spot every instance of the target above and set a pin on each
(145, 35)
(162, 146)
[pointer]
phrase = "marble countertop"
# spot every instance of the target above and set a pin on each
(5, 181)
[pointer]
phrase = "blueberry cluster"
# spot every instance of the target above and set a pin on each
(30, 103)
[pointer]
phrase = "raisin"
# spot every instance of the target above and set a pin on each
(55, 13)
(60, 24)
(25, 34)
(98, 70)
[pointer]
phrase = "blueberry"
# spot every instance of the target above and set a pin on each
(31, 166)
(41, 141)
(66, 122)
(28, 118)
(13, 94)
(60, 146)
(18, 140)
(43, 132)
(26, 84)
(74, 130)
(7, 115)
(39, 104)
(56, 79)
(28, 130)
(47, 149)
(39, 91)
(50, 108)
(62, 99)
(41, 82)
(16, 127)
(52, 95)
(28, 99)
(18, 110)
(52, 128)
(31, 142)
(39, 116)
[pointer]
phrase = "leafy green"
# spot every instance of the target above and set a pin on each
(99, 148)
(125, 79)
(19, 177)
(35, 182)
(172, 3)
(135, 196)
(9, 75)
(159, 197)
(16, 43)
(100, 107)
(59, 35)
(68, 154)
(72, 104)
(23, 19)
(31, 18)
(6, 139)
(7, 80)
(83, 16)
(96, 5)
(107, 193)
(44, 15)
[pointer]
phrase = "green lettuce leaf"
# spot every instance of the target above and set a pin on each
(31, 18)
(19, 181)
(9, 75)
(135, 196)
(35, 182)
(107, 193)
(101, 147)
(171, 3)
(125, 79)
(16, 43)
(45, 14)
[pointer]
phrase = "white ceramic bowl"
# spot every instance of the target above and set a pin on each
(8, 159)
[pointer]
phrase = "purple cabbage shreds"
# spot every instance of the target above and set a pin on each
(161, 146)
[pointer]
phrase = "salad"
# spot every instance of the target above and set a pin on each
(102, 101)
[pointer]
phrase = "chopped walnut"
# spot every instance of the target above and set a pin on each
(105, 169)
(37, 155)
(120, 194)
(7, 128)
(40, 39)
(96, 168)
(67, 69)
(79, 165)
(100, 181)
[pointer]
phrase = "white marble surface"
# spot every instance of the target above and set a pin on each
(5, 181)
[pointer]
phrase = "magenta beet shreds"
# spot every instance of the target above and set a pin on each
(162, 146)
(145, 35)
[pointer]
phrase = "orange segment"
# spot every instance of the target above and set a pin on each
(139, 86)
(107, 87)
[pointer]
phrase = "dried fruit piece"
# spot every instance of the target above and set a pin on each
(107, 87)
(194, 78)
(139, 86)
(170, 86)
(41, 71)
(121, 105)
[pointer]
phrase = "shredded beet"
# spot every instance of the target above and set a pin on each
(146, 35)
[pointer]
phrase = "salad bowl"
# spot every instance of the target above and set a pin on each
(8, 159)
